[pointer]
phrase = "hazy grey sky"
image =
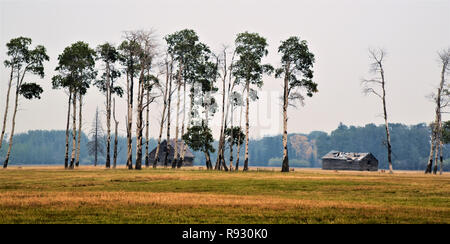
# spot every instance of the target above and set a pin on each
(339, 34)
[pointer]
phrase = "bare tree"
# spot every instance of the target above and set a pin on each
(441, 100)
(165, 91)
(372, 86)
(147, 51)
(96, 144)
(227, 71)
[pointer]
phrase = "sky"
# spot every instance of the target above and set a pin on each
(338, 32)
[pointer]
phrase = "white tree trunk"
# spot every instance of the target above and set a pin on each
(239, 142)
(66, 153)
(285, 166)
(74, 129)
(158, 146)
(5, 116)
(147, 128)
(77, 163)
(247, 125)
(13, 126)
(108, 117)
(183, 151)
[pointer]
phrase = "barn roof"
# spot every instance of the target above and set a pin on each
(346, 155)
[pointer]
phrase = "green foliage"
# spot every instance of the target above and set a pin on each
(297, 62)
(31, 90)
(182, 45)
(109, 55)
(18, 51)
(23, 60)
(446, 132)
(129, 57)
(237, 133)
(76, 66)
(250, 49)
(199, 138)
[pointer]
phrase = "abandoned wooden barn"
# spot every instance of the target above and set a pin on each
(335, 160)
(188, 157)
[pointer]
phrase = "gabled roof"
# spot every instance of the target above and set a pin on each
(345, 155)
(188, 153)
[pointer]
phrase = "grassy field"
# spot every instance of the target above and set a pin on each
(88, 195)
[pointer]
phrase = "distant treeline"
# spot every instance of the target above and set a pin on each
(410, 147)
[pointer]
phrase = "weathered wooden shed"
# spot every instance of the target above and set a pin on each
(335, 160)
(188, 156)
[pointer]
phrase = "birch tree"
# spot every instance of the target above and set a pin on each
(146, 52)
(248, 70)
(199, 136)
(184, 47)
(226, 74)
(108, 54)
(234, 136)
(296, 67)
(23, 61)
(17, 52)
(150, 82)
(76, 68)
(129, 57)
(168, 64)
(441, 100)
(377, 86)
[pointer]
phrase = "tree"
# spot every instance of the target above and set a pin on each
(199, 138)
(146, 50)
(150, 82)
(129, 57)
(108, 54)
(96, 144)
(24, 61)
(441, 100)
(296, 62)
(185, 48)
(76, 71)
(250, 49)
(17, 50)
(226, 74)
(204, 102)
(166, 93)
(372, 86)
(234, 136)
(240, 137)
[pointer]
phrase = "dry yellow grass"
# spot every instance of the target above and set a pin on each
(95, 195)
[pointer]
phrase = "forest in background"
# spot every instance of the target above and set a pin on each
(409, 143)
